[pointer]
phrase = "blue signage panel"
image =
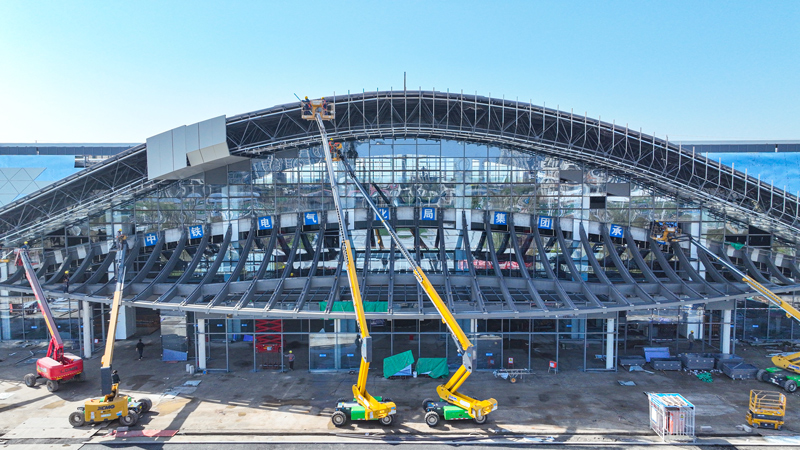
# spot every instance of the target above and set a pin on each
(265, 223)
(196, 232)
(150, 239)
(427, 214)
(384, 214)
(499, 218)
(545, 223)
(310, 218)
(616, 231)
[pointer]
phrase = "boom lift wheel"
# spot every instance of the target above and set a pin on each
(432, 418)
(52, 385)
(77, 419)
(790, 385)
(760, 375)
(386, 421)
(339, 419)
(425, 403)
(480, 420)
(30, 380)
(129, 420)
(146, 404)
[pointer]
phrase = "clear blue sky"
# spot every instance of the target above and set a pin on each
(113, 71)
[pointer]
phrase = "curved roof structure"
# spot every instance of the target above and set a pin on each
(505, 289)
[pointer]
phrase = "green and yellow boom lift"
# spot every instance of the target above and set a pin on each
(364, 406)
(787, 374)
(112, 405)
(453, 404)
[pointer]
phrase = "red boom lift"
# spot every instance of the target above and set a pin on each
(57, 366)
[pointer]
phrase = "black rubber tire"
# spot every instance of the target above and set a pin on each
(790, 386)
(480, 421)
(129, 420)
(425, 403)
(339, 419)
(77, 419)
(387, 400)
(52, 385)
(30, 380)
(146, 404)
(432, 418)
(760, 375)
(341, 400)
(386, 421)
(80, 377)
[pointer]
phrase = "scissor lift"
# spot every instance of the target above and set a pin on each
(767, 409)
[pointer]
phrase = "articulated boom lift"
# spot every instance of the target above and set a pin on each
(669, 232)
(365, 406)
(112, 405)
(56, 366)
(460, 406)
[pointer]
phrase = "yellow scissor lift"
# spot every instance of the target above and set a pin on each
(767, 409)
(364, 406)
(453, 405)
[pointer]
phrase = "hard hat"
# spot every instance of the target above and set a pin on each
(323, 98)
(306, 97)
(120, 230)
(290, 351)
(26, 242)
(67, 272)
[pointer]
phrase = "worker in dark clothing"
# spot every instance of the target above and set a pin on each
(306, 103)
(66, 282)
(140, 349)
(114, 377)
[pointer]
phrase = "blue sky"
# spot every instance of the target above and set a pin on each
(106, 71)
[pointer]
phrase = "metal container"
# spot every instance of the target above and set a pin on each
(631, 360)
(721, 358)
(698, 361)
(666, 363)
(740, 371)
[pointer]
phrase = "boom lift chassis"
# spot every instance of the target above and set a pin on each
(780, 376)
(453, 405)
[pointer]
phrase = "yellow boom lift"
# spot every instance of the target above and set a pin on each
(112, 405)
(453, 405)
(364, 406)
(788, 366)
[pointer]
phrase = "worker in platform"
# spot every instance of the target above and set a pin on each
(306, 104)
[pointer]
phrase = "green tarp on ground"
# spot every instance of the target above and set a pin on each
(433, 367)
(398, 365)
(348, 306)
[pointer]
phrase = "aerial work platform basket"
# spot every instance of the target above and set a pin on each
(310, 108)
(766, 409)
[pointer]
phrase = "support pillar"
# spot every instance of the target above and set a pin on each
(611, 346)
(725, 339)
(201, 344)
(5, 306)
(87, 329)
(126, 322)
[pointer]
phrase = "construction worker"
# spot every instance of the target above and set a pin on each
(119, 239)
(306, 104)
(691, 340)
(25, 245)
(290, 357)
(115, 377)
(66, 282)
(324, 106)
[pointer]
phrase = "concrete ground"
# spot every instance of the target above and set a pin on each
(571, 407)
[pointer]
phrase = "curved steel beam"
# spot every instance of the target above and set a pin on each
(573, 270)
(165, 271)
(195, 295)
(287, 268)
(155, 255)
(226, 287)
(250, 292)
(522, 267)
(189, 271)
(498, 273)
(477, 294)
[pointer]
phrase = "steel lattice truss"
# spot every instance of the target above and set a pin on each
(638, 157)
(510, 271)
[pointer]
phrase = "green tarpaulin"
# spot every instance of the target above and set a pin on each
(735, 245)
(398, 365)
(433, 367)
(348, 306)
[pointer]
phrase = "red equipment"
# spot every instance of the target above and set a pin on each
(56, 366)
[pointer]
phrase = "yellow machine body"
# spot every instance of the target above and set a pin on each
(766, 409)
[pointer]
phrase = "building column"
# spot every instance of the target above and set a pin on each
(725, 339)
(87, 329)
(126, 322)
(610, 343)
(5, 306)
(201, 344)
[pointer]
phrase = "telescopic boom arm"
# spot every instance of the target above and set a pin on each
(108, 356)
(56, 348)
(374, 409)
(448, 391)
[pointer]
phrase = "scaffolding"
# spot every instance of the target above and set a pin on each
(671, 415)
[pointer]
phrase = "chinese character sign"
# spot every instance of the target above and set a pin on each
(545, 222)
(500, 218)
(196, 232)
(616, 231)
(384, 214)
(428, 214)
(265, 223)
(150, 239)
(310, 218)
